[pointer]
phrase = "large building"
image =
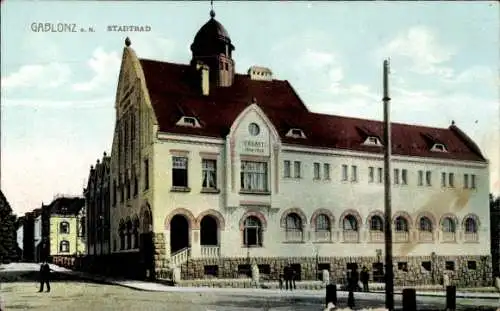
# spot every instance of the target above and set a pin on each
(212, 170)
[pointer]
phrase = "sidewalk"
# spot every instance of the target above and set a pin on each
(157, 287)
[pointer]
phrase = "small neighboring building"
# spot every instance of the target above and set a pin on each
(28, 237)
(20, 237)
(65, 214)
(37, 234)
(495, 234)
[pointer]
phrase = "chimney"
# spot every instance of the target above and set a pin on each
(205, 78)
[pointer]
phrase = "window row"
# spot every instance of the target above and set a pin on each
(129, 234)
(375, 174)
(294, 231)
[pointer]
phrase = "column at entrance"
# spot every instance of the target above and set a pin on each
(195, 245)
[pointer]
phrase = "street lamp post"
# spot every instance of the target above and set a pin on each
(389, 273)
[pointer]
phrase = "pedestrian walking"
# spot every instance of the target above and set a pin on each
(281, 276)
(44, 276)
(365, 276)
(294, 277)
(288, 277)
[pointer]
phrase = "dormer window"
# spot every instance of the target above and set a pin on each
(296, 133)
(439, 148)
(189, 122)
(372, 141)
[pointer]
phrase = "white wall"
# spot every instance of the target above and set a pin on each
(19, 237)
(309, 195)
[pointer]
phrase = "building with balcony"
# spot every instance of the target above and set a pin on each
(212, 170)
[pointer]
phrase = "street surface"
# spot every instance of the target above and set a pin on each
(19, 291)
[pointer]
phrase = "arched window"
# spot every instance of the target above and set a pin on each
(122, 236)
(376, 223)
(470, 225)
(64, 246)
(425, 224)
(350, 223)
(425, 232)
(129, 234)
(64, 227)
(136, 233)
(401, 224)
(350, 226)
(293, 227)
(252, 232)
(448, 225)
(322, 223)
(322, 228)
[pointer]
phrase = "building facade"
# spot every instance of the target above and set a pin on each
(37, 235)
(97, 202)
(20, 237)
(65, 237)
(212, 171)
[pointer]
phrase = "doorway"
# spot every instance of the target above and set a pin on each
(179, 233)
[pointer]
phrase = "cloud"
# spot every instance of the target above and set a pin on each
(419, 44)
(47, 103)
(105, 67)
(153, 47)
(37, 76)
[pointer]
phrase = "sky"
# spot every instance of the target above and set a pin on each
(58, 88)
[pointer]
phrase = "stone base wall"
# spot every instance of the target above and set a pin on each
(161, 260)
(408, 271)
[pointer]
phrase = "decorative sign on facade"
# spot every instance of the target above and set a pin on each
(252, 146)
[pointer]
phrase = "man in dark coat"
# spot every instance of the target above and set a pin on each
(365, 276)
(287, 272)
(44, 276)
(353, 280)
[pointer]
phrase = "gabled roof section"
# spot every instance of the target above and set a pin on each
(67, 206)
(175, 92)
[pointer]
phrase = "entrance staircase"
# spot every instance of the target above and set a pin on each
(179, 257)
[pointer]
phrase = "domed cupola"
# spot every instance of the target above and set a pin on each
(212, 46)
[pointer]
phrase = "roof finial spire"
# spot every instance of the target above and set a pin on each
(212, 12)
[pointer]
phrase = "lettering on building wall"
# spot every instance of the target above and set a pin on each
(252, 146)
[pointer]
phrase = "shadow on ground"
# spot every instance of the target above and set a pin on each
(34, 276)
(312, 304)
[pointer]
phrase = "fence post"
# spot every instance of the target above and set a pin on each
(451, 298)
(331, 294)
(409, 299)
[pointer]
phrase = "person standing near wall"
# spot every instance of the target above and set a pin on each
(44, 276)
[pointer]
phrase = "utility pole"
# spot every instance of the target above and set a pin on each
(389, 272)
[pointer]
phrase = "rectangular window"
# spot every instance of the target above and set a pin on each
(296, 169)
(396, 176)
(380, 175)
(317, 172)
(403, 266)
(371, 174)
(326, 171)
(254, 176)
(466, 181)
(473, 181)
(443, 179)
(287, 169)
(404, 177)
(354, 171)
(146, 174)
(451, 180)
(209, 174)
(449, 265)
(420, 178)
(471, 265)
(428, 178)
(179, 172)
(114, 192)
(427, 265)
(344, 172)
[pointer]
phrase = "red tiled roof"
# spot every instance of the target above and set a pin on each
(174, 93)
